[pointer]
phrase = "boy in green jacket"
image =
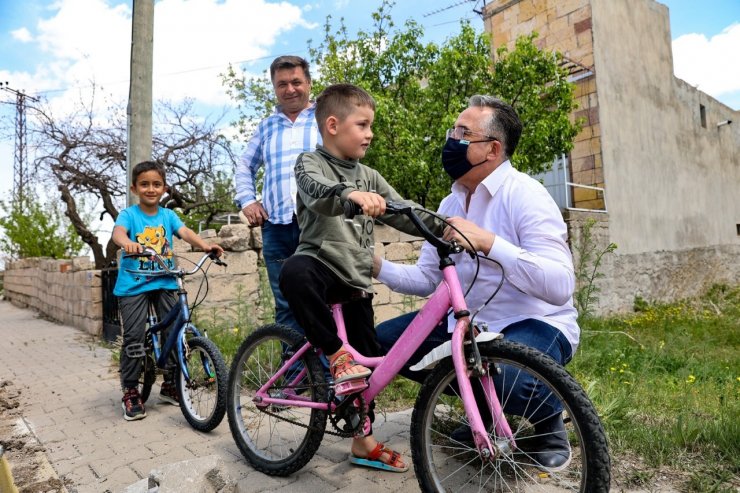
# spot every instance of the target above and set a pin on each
(334, 257)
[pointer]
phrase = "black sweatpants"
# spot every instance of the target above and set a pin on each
(307, 284)
(133, 316)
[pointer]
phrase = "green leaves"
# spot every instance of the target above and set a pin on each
(421, 88)
(33, 230)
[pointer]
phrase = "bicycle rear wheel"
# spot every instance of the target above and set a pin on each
(276, 440)
(203, 395)
(443, 464)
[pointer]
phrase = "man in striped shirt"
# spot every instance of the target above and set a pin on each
(275, 145)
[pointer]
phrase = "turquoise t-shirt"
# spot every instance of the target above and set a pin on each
(150, 231)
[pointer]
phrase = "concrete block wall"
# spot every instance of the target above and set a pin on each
(68, 290)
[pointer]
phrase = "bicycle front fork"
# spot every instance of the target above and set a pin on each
(464, 373)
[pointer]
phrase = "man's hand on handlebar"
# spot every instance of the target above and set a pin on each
(372, 204)
(481, 239)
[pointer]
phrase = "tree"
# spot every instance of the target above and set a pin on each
(420, 89)
(34, 230)
(83, 156)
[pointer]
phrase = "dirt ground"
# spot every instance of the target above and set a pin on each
(29, 466)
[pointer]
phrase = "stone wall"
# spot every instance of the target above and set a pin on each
(662, 276)
(70, 291)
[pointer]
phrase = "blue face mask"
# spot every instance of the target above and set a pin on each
(455, 158)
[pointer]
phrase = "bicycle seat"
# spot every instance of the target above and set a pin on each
(334, 298)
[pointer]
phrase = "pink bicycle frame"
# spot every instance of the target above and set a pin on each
(385, 368)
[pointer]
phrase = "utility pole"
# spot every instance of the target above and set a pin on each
(20, 163)
(139, 109)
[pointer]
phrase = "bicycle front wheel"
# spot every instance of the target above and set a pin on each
(203, 394)
(276, 440)
(443, 463)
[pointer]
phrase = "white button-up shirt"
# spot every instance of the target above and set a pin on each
(530, 244)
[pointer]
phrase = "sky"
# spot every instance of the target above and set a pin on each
(57, 48)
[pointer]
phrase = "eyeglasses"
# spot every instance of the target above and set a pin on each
(459, 133)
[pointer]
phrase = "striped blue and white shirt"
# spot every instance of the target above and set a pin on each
(276, 144)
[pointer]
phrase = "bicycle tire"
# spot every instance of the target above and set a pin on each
(203, 396)
(442, 465)
(272, 445)
(148, 375)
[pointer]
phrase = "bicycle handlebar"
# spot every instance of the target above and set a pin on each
(352, 209)
(156, 257)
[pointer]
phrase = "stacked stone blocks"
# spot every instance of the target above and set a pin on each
(564, 26)
(70, 291)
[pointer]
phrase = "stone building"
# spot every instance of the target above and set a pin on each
(656, 157)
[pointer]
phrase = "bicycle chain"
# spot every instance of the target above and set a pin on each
(338, 433)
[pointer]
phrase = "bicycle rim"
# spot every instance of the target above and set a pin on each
(203, 395)
(276, 440)
(443, 464)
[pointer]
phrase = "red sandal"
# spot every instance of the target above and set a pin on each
(348, 383)
(394, 463)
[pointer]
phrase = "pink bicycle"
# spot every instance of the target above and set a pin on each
(279, 401)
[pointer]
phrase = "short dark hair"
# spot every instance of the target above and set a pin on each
(339, 100)
(504, 123)
(145, 166)
(287, 62)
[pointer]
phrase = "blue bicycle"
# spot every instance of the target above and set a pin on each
(201, 373)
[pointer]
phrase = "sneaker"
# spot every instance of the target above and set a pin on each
(168, 394)
(133, 408)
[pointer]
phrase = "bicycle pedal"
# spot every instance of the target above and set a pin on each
(135, 350)
(350, 387)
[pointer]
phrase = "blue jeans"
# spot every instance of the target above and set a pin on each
(516, 387)
(279, 242)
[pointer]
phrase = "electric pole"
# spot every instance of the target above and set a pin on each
(20, 163)
(139, 109)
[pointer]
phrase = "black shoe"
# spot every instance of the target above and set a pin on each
(552, 452)
(464, 434)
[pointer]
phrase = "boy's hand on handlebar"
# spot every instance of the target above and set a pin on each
(481, 239)
(133, 247)
(372, 204)
(217, 249)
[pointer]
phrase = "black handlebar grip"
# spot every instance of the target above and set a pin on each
(351, 209)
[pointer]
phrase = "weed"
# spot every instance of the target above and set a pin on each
(589, 255)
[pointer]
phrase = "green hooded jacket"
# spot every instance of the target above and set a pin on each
(344, 245)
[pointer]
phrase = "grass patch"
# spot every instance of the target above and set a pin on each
(666, 382)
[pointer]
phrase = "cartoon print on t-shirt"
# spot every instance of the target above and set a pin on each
(155, 238)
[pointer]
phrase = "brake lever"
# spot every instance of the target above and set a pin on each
(216, 260)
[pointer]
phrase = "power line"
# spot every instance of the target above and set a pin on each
(20, 163)
(452, 6)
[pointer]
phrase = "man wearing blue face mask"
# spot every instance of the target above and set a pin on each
(509, 217)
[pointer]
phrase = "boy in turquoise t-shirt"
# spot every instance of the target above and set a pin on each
(146, 225)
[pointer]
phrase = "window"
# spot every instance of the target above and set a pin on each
(703, 115)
